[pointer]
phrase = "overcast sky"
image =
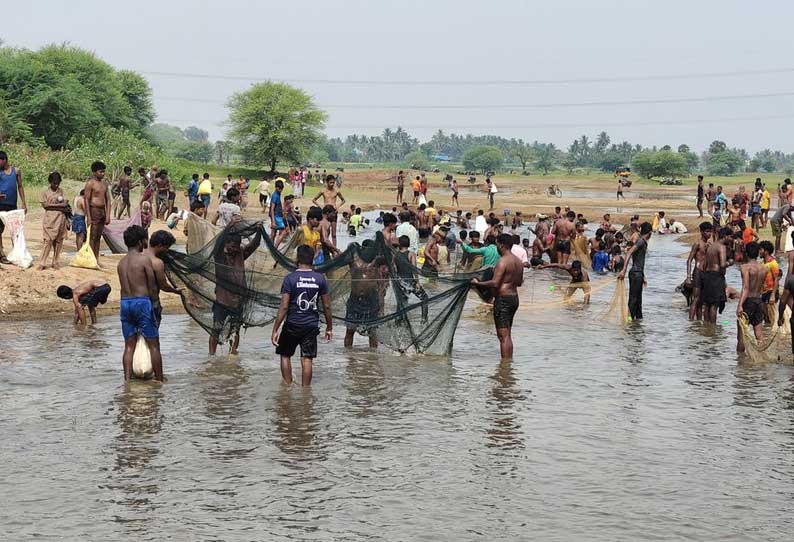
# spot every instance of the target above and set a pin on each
(458, 42)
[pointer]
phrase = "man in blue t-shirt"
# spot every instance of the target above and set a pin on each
(301, 292)
(278, 218)
(600, 258)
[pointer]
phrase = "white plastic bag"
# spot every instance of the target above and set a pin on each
(142, 359)
(15, 223)
(789, 242)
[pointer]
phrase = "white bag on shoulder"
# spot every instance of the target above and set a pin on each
(15, 222)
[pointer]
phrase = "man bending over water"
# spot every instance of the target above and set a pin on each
(138, 283)
(579, 278)
(508, 276)
(90, 293)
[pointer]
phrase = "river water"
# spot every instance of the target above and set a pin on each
(591, 433)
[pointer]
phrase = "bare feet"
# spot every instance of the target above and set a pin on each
(41, 267)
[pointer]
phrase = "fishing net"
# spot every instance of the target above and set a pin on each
(373, 288)
(113, 234)
(776, 347)
(618, 310)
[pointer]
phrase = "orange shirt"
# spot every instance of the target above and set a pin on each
(747, 235)
(415, 185)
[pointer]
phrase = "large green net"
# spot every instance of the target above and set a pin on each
(233, 280)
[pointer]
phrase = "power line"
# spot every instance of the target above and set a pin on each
(523, 82)
(524, 106)
(531, 126)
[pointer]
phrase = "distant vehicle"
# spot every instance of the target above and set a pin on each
(670, 181)
(441, 158)
(623, 173)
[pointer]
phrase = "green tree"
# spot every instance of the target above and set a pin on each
(222, 150)
(651, 164)
(717, 146)
(136, 90)
(483, 158)
(523, 152)
(417, 160)
(272, 122)
(724, 163)
(192, 133)
(546, 157)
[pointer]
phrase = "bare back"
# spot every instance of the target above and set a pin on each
(714, 258)
(512, 274)
(753, 278)
(136, 275)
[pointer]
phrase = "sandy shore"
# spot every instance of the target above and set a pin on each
(30, 293)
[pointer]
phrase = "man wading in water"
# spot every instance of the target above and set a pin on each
(138, 283)
(97, 206)
(637, 274)
(330, 195)
(695, 276)
(508, 276)
(750, 303)
(712, 294)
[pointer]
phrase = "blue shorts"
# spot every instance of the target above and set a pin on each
(138, 316)
(279, 222)
(78, 224)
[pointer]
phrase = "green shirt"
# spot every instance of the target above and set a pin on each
(489, 253)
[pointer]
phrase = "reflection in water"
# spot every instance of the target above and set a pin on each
(139, 421)
(506, 430)
(366, 385)
(222, 380)
(296, 425)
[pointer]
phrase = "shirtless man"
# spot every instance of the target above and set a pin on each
(422, 222)
(711, 294)
(363, 305)
(563, 231)
(694, 277)
(159, 243)
(230, 269)
(138, 283)
(97, 206)
(124, 184)
(579, 279)
(90, 294)
(326, 233)
(787, 297)
(330, 194)
(750, 303)
(162, 185)
(400, 186)
(508, 276)
(390, 231)
(430, 267)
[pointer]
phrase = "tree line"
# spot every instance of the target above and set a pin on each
(61, 96)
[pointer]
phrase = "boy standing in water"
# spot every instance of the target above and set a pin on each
(508, 276)
(637, 274)
(278, 217)
(330, 194)
(97, 206)
(137, 280)
(750, 303)
(301, 291)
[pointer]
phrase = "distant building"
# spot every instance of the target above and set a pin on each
(441, 158)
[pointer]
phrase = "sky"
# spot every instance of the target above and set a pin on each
(700, 70)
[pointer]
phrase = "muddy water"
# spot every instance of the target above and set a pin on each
(591, 433)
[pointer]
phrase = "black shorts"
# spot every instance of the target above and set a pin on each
(361, 308)
(4, 207)
(712, 289)
(753, 307)
(292, 336)
(221, 314)
(263, 198)
(563, 246)
(424, 233)
(504, 308)
(97, 296)
(429, 269)
(766, 296)
(697, 279)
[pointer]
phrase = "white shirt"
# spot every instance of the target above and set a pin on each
(480, 225)
(519, 252)
(226, 211)
(406, 228)
(264, 188)
(677, 227)
(493, 188)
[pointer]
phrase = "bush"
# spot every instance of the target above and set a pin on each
(417, 160)
(482, 158)
(659, 164)
(116, 148)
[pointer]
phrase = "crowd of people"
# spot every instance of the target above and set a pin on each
(502, 246)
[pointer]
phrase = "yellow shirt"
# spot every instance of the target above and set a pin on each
(205, 187)
(765, 199)
(311, 238)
